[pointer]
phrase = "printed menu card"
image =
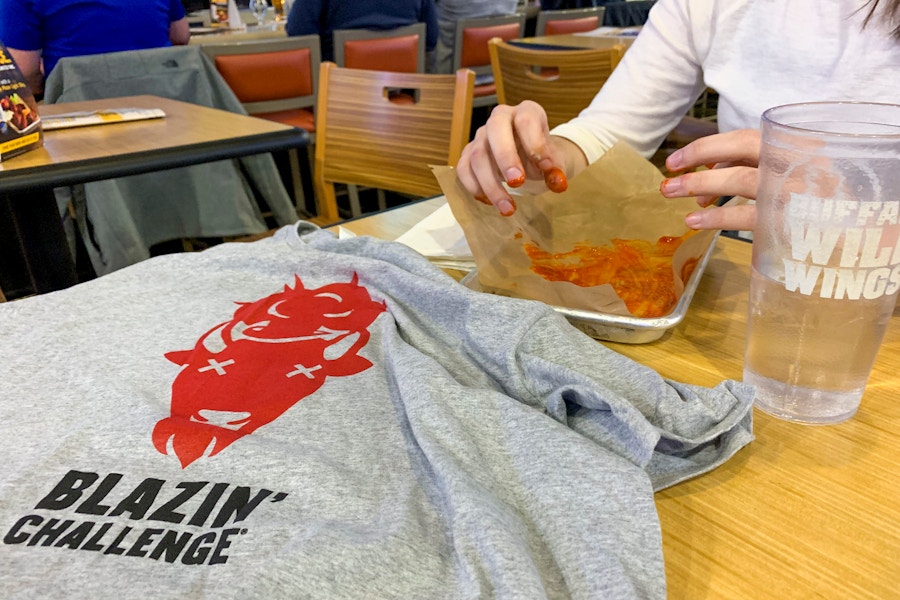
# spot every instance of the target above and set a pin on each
(20, 123)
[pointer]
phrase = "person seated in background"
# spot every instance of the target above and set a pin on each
(566, 4)
(754, 54)
(450, 11)
(39, 33)
(322, 17)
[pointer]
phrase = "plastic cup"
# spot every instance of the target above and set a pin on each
(826, 256)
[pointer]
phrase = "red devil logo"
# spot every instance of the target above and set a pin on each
(273, 353)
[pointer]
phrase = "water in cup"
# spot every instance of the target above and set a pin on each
(826, 256)
(813, 368)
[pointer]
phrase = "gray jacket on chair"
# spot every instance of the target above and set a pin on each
(121, 218)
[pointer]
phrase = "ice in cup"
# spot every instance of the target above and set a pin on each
(826, 256)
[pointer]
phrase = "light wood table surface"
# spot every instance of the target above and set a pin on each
(801, 512)
(189, 134)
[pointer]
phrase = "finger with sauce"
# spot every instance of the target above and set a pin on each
(556, 180)
(517, 181)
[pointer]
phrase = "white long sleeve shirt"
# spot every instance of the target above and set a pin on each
(755, 53)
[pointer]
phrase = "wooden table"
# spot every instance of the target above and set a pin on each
(577, 41)
(268, 31)
(803, 511)
(188, 135)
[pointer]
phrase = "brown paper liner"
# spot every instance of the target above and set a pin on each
(615, 198)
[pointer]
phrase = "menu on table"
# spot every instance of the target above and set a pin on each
(100, 117)
(225, 14)
(218, 12)
(20, 122)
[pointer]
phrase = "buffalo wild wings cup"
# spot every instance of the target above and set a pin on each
(826, 256)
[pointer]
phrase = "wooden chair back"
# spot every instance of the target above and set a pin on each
(365, 139)
(401, 49)
(563, 82)
(471, 50)
(555, 22)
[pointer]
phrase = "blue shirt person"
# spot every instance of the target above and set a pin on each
(38, 33)
(322, 17)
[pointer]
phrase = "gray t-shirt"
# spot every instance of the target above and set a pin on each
(308, 417)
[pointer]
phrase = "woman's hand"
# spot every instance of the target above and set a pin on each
(734, 156)
(514, 146)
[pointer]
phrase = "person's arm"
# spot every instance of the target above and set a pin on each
(29, 63)
(180, 32)
(657, 81)
(179, 29)
(735, 157)
(648, 93)
(21, 31)
(429, 17)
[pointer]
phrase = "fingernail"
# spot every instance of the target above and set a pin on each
(693, 220)
(670, 185)
(506, 207)
(675, 160)
(483, 199)
(514, 177)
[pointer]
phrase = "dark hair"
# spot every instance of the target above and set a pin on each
(892, 12)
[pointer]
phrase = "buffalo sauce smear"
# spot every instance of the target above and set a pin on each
(639, 271)
(555, 180)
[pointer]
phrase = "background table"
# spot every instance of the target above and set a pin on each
(803, 511)
(577, 41)
(188, 135)
(267, 31)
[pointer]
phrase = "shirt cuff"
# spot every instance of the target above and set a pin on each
(592, 146)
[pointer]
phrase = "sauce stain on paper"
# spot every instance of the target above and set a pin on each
(639, 271)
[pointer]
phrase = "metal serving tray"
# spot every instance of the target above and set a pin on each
(618, 328)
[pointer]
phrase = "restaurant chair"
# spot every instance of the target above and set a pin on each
(563, 82)
(706, 106)
(365, 139)
(556, 22)
(277, 80)
(471, 50)
(400, 49)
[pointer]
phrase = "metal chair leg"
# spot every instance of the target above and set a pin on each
(355, 208)
(299, 195)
